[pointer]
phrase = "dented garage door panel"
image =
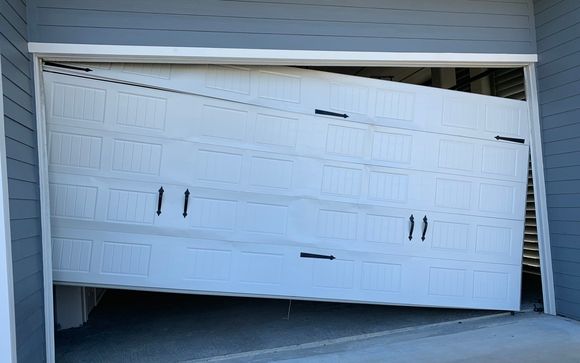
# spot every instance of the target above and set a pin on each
(269, 179)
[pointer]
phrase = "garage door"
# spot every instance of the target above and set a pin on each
(285, 182)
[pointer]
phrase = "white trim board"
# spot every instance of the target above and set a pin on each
(7, 324)
(161, 54)
(546, 271)
(156, 54)
(42, 141)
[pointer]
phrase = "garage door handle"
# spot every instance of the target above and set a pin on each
(425, 224)
(160, 200)
(185, 202)
(412, 219)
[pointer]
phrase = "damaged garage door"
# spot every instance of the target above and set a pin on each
(285, 182)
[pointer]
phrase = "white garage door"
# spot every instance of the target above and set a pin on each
(285, 182)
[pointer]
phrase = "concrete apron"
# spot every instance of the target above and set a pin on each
(528, 336)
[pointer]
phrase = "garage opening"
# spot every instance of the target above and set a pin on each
(99, 168)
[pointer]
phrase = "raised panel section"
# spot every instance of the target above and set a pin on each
(227, 78)
(349, 98)
(460, 113)
(266, 218)
(446, 282)
(279, 87)
(503, 119)
(141, 111)
(125, 259)
(490, 285)
(388, 187)
(452, 236)
(391, 147)
(226, 123)
(395, 105)
(136, 157)
(213, 213)
(345, 140)
(378, 276)
(131, 206)
(337, 224)
(154, 70)
(78, 102)
(73, 201)
(456, 155)
(270, 172)
(493, 240)
(261, 268)
(500, 161)
(79, 151)
(69, 254)
(207, 265)
(219, 166)
(385, 229)
(338, 274)
(454, 194)
(276, 130)
(496, 198)
(341, 181)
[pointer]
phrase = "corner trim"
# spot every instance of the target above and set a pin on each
(162, 54)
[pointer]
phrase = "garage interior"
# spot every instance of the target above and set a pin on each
(98, 324)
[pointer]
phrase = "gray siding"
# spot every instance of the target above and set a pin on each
(19, 123)
(558, 33)
(487, 26)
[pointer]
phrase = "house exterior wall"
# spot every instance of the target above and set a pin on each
(558, 34)
(465, 26)
(23, 190)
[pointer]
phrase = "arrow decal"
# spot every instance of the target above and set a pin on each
(330, 113)
(314, 255)
(512, 139)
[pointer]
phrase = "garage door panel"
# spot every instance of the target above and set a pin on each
(368, 101)
(246, 218)
(118, 260)
(228, 124)
(281, 201)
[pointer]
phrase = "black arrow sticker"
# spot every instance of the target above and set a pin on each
(330, 113)
(512, 139)
(314, 255)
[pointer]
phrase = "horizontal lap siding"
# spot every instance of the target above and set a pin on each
(558, 37)
(22, 165)
(363, 25)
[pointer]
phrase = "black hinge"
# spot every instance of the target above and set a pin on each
(330, 113)
(53, 64)
(314, 255)
(512, 139)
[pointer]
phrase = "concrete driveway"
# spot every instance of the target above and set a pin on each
(526, 337)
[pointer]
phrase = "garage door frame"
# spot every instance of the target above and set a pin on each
(192, 55)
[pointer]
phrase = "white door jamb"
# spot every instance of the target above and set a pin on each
(546, 271)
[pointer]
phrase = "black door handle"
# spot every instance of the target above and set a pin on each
(412, 219)
(160, 200)
(425, 224)
(186, 201)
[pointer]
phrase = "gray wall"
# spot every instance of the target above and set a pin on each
(363, 25)
(19, 123)
(558, 33)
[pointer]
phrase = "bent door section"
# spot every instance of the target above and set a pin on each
(268, 182)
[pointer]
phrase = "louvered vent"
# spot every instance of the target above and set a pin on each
(510, 83)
